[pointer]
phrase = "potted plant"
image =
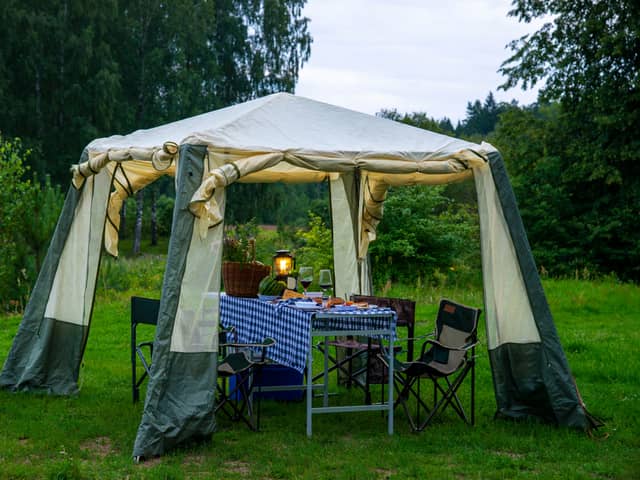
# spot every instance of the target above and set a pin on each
(241, 272)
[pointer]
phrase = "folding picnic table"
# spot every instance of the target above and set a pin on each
(294, 329)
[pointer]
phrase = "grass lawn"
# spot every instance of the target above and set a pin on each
(92, 435)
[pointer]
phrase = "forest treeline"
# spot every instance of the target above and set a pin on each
(74, 71)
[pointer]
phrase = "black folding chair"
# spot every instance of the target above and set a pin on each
(445, 360)
(143, 311)
(240, 365)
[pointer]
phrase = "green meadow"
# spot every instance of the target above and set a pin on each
(91, 435)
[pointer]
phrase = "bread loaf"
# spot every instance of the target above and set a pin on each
(334, 301)
(291, 294)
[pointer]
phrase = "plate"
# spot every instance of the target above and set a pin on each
(268, 298)
(307, 305)
(344, 308)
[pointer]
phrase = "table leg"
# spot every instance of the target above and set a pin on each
(309, 388)
(325, 397)
(390, 387)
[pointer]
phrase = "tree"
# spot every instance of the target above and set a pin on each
(420, 120)
(587, 56)
(219, 53)
(60, 80)
(317, 247)
(71, 71)
(44, 204)
(421, 233)
(527, 137)
(276, 203)
(28, 213)
(481, 118)
(137, 231)
(154, 216)
(13, 188)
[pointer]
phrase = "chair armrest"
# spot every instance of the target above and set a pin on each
(266, 343)
(384, 351)
(230, 331)
(413, 339)
(463, 348)
(398, 365)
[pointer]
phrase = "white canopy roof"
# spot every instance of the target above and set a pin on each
(284, 122)
(286, 138)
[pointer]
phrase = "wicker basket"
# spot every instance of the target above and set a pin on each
(242, 279)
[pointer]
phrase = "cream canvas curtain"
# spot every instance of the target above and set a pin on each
(509, 316)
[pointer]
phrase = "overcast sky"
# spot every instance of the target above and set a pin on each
(429, 56)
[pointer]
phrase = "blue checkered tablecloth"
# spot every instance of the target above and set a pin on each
(355, 319)
(254, 320)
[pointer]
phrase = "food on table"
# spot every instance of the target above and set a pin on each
(271, 286)
(291, 294)
(334, 301)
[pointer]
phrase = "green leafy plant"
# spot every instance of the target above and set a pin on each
(422, 235)
(240, 242)
(29, 210)
(317, 248)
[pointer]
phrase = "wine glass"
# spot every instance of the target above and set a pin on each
(305, 276)
(325, 281)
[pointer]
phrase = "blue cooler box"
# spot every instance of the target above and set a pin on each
(276, 375)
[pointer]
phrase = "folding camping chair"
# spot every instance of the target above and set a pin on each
(240, 366)
(444, 360)
(143, 311)
(360, 360)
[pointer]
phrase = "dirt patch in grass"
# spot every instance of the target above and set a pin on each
(195, 460)
(384, 473)
(149, 462)
(31, 460)
(237, 467)
(512, 455)
(99, 446)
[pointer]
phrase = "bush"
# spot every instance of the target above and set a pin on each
(267, 244)
(317, 245)
(425, 236)
(165, 215)
(28, 215)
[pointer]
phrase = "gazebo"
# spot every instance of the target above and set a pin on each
(277, 138)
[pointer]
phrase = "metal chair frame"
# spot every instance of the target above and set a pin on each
(445, 384)
(143, 311)
(246, 372)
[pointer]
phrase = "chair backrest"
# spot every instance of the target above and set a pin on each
(405, 310)
(456, 327)
(456, 324)
(144, 310)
